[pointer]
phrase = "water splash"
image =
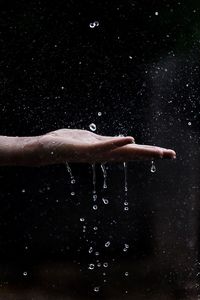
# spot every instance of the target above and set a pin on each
(103, 168)
(153, 167)
(94, 178)
(125, 177)
(70, 173)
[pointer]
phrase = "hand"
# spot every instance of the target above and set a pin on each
(72, 145)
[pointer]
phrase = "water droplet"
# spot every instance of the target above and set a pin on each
(99, 265)
(153, 167)
(62, 87)
(96, 289)
(126, 246)
(189, 123)
(73, 181)
(82, 219)
(125, 203)
(92, 127)
(156, 13)
(96, 253)
(126, 208)
(23, 191)
(107, 244)
(25, 273)
(95, 207)
(94, 24)
(94, 197)
(125, 249)
(126, 274)
(99, 113)
(90, 250)
(105, 265)
(91, 267)
(72, 193)
(105, 201)
(95, 228)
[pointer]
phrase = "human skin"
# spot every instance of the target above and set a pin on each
(73, 145)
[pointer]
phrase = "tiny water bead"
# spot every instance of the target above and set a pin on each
(107, 244)
(73, 193)
(105, 265)
(94, 24)
(25, 273)
(91, 267)
(73, 181)
(126, 273)
(105, 201)
(126, 246)
(92, 127)
(96, 289)
(95, 207)
(99, 113)
(126, 208)
(95, 228)
(90, 250)
(82, 219)
(153, 167)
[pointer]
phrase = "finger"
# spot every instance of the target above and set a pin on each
(111, 144)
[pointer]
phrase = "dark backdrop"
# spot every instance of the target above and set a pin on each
(140, 68)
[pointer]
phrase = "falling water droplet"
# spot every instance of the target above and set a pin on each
(103, 168)
(90, 250)
(153, 167)
(91, 267)
(105, 265)
(92, 127)
(82, 219)
(105, 201)
(126, 273)
(125, 177)
(73, 181)
(107, 244)
(99, 113)
(126, 208)
(95, 207)
(25, 273)
(96, 289)
(126, 246)
(95, 228)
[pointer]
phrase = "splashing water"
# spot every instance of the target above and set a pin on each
(153, 167)
(70, 173)
(94, 179)
(103, 168)
(92, 127)
(125, 177)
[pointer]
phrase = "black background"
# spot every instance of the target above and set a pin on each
(141, 70)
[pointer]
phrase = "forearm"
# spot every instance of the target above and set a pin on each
(21, 151)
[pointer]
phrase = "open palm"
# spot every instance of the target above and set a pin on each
(75, 145)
